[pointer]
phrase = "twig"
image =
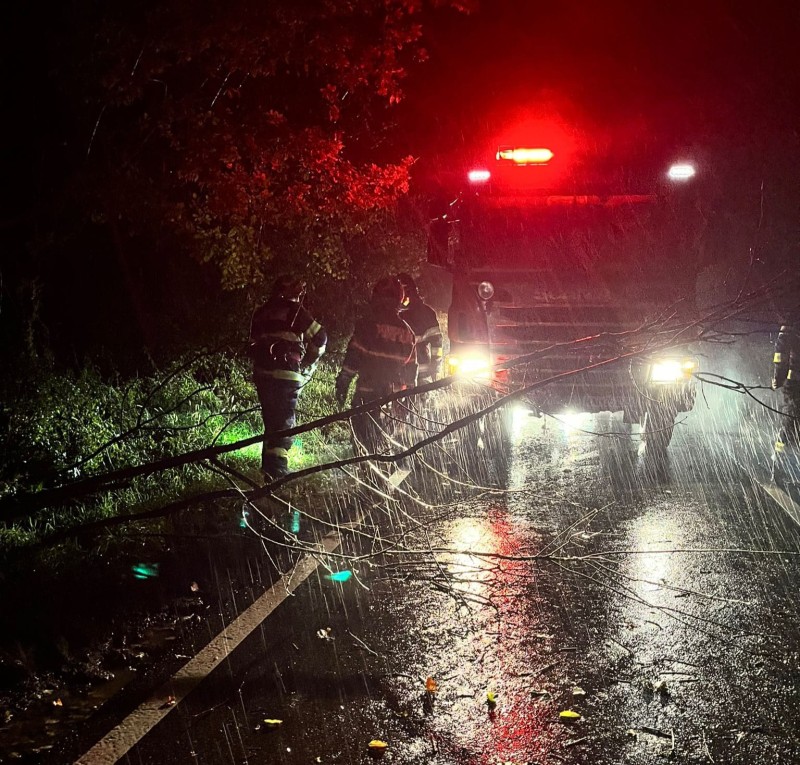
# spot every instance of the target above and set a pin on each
(362, 644)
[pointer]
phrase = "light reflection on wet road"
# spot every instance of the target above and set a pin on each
(590, 586)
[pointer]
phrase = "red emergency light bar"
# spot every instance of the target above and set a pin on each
(524, 156)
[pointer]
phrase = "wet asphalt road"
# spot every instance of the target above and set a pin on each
(660, 607)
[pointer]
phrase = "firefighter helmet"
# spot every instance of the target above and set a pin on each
(408, 284)
(388, 288)
(289, 287)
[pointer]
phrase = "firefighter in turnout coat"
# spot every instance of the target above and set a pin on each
(786, 375)
(427, 333)
(285, 343)
(381, 355)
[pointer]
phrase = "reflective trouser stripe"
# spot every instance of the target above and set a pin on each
(277, 451)
(777, 358)
(280, 374)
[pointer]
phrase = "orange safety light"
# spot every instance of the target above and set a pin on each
(525, 156)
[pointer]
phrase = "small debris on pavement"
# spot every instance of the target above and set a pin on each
(170, 702)
(578, 691)
(576, 741)
(194, 587)
(271, 722)
(540, 693)
(325, 633)
(431, 686)
(491, 698)
(655, 732)
(568, 715)
(377, 748)
(359, 643)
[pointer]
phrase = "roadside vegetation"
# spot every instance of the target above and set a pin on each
(71, 425)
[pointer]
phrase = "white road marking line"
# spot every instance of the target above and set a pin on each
(791, 507)
(119, 741)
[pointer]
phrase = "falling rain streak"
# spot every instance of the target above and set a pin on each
(606, 607)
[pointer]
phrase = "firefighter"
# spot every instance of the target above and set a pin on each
(786, 375)
(285, 344)
(381, 354)
(425, 326)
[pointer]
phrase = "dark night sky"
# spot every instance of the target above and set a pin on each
(716, 73)
(721, 78)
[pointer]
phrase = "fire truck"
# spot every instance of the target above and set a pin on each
(568, 262)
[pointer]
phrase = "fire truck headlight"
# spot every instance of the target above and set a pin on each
(486, 290)
(476, 367)
(666, 371)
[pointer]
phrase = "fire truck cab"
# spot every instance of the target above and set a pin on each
(568, 272)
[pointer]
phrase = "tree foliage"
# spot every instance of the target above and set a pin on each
(253, 132)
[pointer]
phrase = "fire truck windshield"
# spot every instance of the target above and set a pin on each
(551, 231)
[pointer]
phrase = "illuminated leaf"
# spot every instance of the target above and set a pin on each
(272, 723)
(145, 570)
(431, 686)
(376, 745)
(491, 697)
(569, 716)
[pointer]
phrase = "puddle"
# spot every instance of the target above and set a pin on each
(27, 735)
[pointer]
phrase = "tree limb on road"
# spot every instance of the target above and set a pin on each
(649, 337)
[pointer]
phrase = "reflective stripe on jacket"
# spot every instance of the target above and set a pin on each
(425, 326)
(284, 338)
(381, 348)
(786, 359)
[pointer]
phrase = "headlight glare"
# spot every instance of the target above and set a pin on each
(666, 371)
(474, 366)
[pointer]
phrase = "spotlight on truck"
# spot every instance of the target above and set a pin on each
(478, 176)
(681, 171)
